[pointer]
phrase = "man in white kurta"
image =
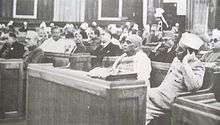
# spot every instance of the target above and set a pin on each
(56, 44)
(135, 60)
(185, 75)
(60, 46)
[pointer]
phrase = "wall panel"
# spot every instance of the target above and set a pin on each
(91, 10)
(45, 9)
(0, 8)
(197, 15)
(7, 8)
(217, 17)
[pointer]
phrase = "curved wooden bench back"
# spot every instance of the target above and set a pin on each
(216, 85)
(159, 71)
(81, 61)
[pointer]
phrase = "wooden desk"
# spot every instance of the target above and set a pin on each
(68, 97)
(58, 59)
(196, 110)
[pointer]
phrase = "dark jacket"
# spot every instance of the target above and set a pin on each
(110, 50)
(23, 29)
(84, 34)
(162, 55)
(16, 50)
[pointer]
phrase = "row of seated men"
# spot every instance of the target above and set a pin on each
(185, 74)
(87, 35)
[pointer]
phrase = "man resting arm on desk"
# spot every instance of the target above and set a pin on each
(185, 74)
(133, 60)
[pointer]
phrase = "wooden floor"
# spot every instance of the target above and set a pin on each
(15, 122)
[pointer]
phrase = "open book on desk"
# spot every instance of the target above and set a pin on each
(110, 74)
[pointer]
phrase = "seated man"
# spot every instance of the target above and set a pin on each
(175, 29)
(185, 75)
(24, 27)
(80, 47)
(106, 48)
(12, 48)
(164, 52)
(56, 44)
(84, 32)
(133, 60)
(31, 40)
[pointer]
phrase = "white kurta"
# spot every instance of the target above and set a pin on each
(140, 64)
(59, 46)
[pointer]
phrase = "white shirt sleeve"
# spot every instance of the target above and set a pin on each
(143, 67)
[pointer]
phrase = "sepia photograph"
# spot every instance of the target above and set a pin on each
(109, 62)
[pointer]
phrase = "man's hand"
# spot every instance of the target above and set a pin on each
(189, 57)
(193, 76)
(102, 72)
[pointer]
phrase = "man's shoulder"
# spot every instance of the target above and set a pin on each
(111, 46)
(48, 41)
(115, 42)
(141, 55)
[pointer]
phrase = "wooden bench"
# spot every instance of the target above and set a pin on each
(200, 109)
(12, 89)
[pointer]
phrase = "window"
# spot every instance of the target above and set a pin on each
(110, 10)
(25, 9)
(69, 10)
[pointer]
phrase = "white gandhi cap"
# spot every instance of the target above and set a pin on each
(191, 40)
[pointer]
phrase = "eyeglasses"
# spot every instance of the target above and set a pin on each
(214, 40)
(126, 41)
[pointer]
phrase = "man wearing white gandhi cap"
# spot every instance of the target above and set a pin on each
(185, 75)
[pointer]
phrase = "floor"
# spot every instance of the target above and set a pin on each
(13, 122)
